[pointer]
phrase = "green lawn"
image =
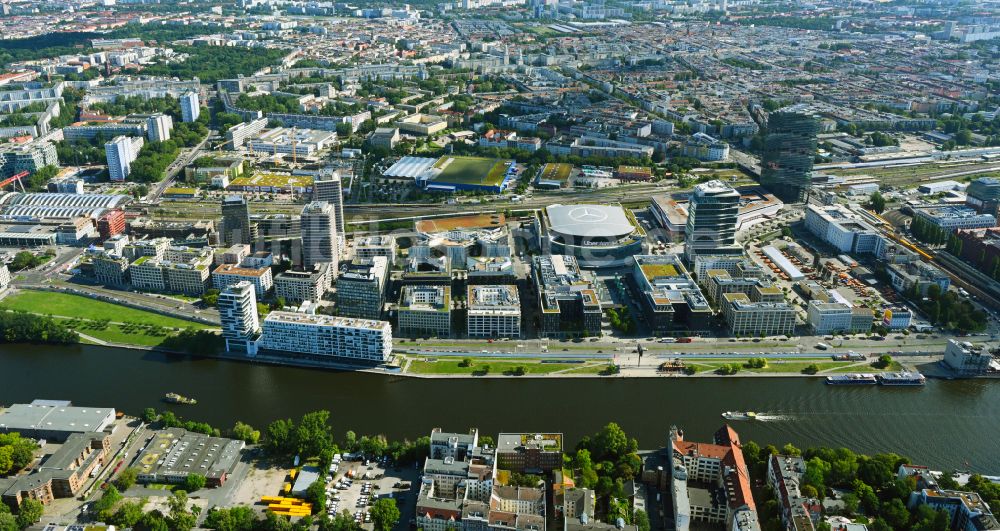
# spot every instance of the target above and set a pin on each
(116, 334)
(67, 305)
(589, 369)
(451, 366)
(773, 366)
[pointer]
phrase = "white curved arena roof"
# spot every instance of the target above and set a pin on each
(42, 205)
(67, 200)
(590, 221)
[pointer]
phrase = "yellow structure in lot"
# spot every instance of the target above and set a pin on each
(287, 506)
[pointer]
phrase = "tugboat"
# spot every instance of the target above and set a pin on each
(175, 398)
(739, 415)
(852, 379)
(902, 378)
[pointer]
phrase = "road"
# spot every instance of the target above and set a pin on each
(185, 157)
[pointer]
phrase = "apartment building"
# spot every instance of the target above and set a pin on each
(319, 235)
(529, 452)
(238, 315)
(424, 310)
(568, 302)
(376, 245)
(710, 483)
(231, 274)
(158, 127)
(837, 317)
(361, 288)
(964, 359)
(758, 314)
(120, 154)
(493, 311)
(297, 287)
(190, 107)
(111, 269)
(671, 298)
(968, 511)
(327, 337)
(30, 157)
(784, 476)
(62, 474)
(238, 134)
(842, 228)
(951, 218)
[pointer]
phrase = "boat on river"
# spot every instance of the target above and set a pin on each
(175, 398)
(739, 415)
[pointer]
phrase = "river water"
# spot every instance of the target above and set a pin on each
(947, 424)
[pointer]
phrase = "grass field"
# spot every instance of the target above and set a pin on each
(67, 305)
(497, 366)
(556, 172)
(471, 170)
(773, 366)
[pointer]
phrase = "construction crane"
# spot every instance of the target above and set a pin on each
(15, 179)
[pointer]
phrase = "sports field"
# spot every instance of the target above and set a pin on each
(471, 171)
(556, 172)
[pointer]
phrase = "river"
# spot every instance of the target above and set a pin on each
(947, 424)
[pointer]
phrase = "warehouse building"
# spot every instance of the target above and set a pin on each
(54, 420)
(171, 455)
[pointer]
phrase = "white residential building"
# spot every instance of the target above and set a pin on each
(120, 153)
(190, 107)
(158, 127)
(238, 314)
(4, 277)
(340, 338)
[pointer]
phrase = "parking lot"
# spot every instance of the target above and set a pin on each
(354, 485)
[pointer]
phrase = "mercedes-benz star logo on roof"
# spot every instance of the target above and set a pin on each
(587, 214)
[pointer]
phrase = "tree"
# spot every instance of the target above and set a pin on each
(611, 441)
(181, 518)
(194, 482)
(313, 433)
(246, 433)
(385, 514)
(280, 438)
(342, 521)
(149, 415)
(811, 369)
(316, 495)
(128, 514)
(239, 518)
(895, 514)
(877, 203)
(6, 460)
(641, 520)
(8, 522)
(29, 512)
(127, 478)
(883, 362)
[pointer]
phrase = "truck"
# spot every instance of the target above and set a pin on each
(684, 340)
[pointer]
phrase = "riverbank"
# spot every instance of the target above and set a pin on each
(956, 419)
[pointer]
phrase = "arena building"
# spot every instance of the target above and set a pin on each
(596, 235)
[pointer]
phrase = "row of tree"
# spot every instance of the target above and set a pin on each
(21, 327)
(873, 490)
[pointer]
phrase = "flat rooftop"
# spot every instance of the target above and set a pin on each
(29, 417)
